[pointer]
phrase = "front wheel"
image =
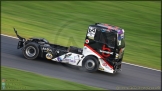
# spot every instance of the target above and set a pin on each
(31, 51)
(90, 64)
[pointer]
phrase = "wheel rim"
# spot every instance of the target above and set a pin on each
(89, 64)
(30, 51)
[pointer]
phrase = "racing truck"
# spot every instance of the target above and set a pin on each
(103, 49)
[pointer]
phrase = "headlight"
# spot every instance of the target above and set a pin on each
(117, 56)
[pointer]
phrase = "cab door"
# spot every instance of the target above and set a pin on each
(107, 44)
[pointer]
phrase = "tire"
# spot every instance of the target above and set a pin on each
(31, 51)
(90, 64)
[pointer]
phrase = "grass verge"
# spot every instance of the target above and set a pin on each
(20, 80)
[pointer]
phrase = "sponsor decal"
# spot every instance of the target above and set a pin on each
(72, 59)
(46, 49)
(104, 64)
(106, 51)
(67, 59)
(91, 32)
(120, 32)
(49, 56)
(76, 57)
(120, 36)
(103, 30)
(86, 41)
(59, 59)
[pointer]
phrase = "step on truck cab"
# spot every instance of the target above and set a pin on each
(103, 49)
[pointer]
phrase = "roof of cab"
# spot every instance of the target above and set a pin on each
(109, 27)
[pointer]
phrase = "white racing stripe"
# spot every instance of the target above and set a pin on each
(122, 62)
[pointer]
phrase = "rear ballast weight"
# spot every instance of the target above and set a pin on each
(103, 49)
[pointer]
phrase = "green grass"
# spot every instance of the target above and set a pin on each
(66, 23)
(21, 80)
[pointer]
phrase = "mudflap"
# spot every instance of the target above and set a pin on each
(117, 67)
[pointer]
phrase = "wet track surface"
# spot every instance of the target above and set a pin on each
(128, 77)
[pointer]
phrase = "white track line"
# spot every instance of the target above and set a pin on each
(141, 66)
(122, 62)
(9, 36)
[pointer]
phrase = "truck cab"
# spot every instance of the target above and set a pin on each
(106, 42)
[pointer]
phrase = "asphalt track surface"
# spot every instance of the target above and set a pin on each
(130, 76)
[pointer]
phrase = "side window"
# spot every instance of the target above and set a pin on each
(111, 37)
(108, 38)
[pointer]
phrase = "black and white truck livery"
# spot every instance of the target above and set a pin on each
(103, 49)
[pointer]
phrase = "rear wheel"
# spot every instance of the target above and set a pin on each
(90, 64)
(31, 51)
